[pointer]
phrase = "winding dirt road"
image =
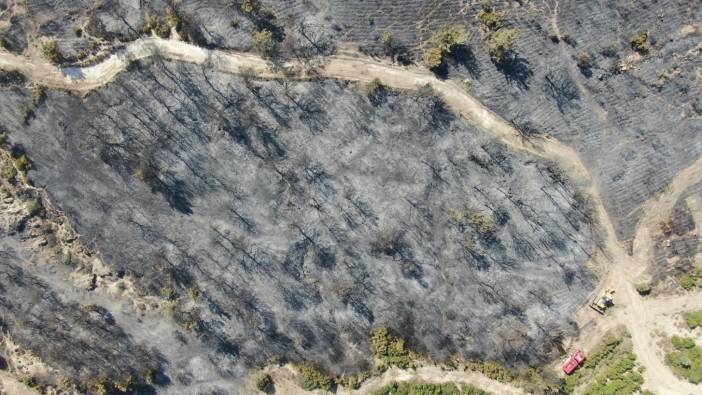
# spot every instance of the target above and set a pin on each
(621, 269)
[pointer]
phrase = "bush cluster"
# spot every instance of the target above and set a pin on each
(693, 319)
(419, 388)
(264, 382)
(444, 42)
(640, 43)
(686, 360)
(51, 52)
(501, 43)
(314, 378)
(490, 18)
(389, 349)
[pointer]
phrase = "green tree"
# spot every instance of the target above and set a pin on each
(444, 42)
(50, 51)
(264, 43)
(501, 43)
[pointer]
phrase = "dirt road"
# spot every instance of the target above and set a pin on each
(632, 311)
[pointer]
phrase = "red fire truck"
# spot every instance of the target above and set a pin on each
(576, 358)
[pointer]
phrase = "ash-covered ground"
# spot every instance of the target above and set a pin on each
(634, 118)
(303, 215)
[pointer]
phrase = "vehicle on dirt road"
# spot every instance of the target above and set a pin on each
(602, 302)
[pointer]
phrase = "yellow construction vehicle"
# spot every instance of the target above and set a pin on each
(602, 302)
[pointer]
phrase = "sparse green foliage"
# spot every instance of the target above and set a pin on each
(434, 58)
(640, 43)
(158, 26)
(313, 378)
(9, 172)
(693, 319)
(493, 370)
(389, 349)
(643, 289)
(419, 388)
(445, 41)
(691, 280)
(584, 60)
(264, 382)
(33, 208)
(686, 360)
(482, 222)
(27, 113)
(50, 51)
(501, 43)
(169, 293)
(78, 32)
(23, 163)
(30, 382)
(250, 7)
(3, 138)
(450, 36)
(354, 381)
(91, 307)
(38, 94)
(609, 369)
(490, 18)
(376, 91)
(264, 43)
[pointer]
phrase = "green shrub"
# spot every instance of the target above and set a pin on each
(50, 51)
(686, 360)
(389, 349)
(3, 138)
(493, 370)
(682, 343)
(34, 207)
(501, 43)
(169, 293)
(250, 7)
(91, 307)
(640, 43)
(490, 18)
(354, 381)
(444, 42)
(23, 163)
(434, 58)
(313, 378)
(9, 172)
(693, 319)
(376, 91)
(419, 388)
(450, 36)
(27, 113)
(38, 94)
(30, 382)
(482, 222)
(264, 382)
(158, 26)
(643, 289)
(264, 43)
(584, 60)
(691, 280)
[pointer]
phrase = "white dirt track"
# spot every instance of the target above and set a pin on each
(621, 269)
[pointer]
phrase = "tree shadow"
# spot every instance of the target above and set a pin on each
(176, 194)
(462, 55)
(516, 70)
